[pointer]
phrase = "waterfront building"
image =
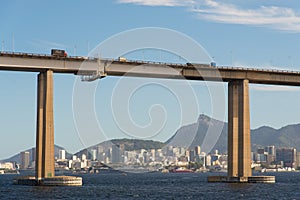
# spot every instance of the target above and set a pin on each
(7, 165)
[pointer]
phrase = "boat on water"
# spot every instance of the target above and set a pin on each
(182, 170)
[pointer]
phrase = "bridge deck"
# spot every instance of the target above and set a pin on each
(89, 66)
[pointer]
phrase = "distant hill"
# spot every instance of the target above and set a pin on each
(134, 144)
(207, 131)
(16, 158)
(288, 136)
(213, 132)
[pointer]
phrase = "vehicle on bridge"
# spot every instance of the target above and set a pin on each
(58, 53)
(212, 64)
(122, 59)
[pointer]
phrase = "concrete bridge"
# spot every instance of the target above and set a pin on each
(239, 146)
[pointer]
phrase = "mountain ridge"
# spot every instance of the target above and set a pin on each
(286, 136)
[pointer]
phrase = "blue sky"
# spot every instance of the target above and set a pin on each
(262, 34)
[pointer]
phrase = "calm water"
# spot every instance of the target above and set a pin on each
(155, 186)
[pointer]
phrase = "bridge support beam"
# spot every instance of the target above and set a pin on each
(239, 145)
(44, 166)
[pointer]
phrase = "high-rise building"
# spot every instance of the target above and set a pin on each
(62, 154)
(187, 155)
(83, 157)
(270, 150)
(25, 159)
(94, 154)
(197, 150)
(115, 154)
(208, 160)
(170, 151)
(287, 155)
(201, 159)
(145, 157)
(261, 151)
(33, 154)
(298, 159)
(192, 156)
(74, 157)
(100, 154)
(216, 152)
(152, 154)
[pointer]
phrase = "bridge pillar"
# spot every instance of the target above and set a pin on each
(44, 166)
(239, 144)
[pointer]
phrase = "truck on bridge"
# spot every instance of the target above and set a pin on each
(58, 53)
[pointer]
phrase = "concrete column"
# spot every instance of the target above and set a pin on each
(39, 127)
(239, 144)
(244, 131)
(45, 126)
(232, 129)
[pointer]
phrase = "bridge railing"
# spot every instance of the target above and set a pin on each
(183, 65)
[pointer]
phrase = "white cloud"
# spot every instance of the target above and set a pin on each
(280, 18)
(158, 2)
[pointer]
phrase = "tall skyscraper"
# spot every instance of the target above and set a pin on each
(192, 156)
(197, 150)
(25, 159)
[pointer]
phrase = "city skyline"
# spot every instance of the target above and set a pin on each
(167, 159)
(242, 42)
